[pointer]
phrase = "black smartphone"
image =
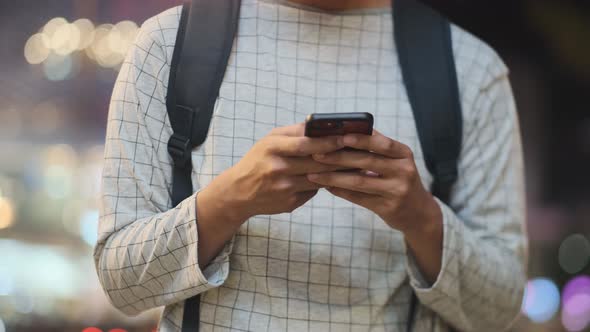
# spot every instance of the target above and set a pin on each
(334, 124)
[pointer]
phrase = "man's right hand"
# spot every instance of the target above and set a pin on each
(271, 177)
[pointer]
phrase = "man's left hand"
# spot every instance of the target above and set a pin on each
(388, 184)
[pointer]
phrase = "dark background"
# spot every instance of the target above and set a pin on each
(546, 44)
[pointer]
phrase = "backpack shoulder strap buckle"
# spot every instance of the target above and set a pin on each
(179, 148)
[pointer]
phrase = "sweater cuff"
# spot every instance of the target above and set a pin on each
(215, 274)
(446, 282)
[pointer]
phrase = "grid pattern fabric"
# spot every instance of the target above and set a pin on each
(329, 265)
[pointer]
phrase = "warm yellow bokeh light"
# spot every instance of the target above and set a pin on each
(37, 48)
(116, 41)
(6, 213)
(97, 44)
(122, 37)
(101, 50)
(86, 29)
(106, 44)
(66, 39)
(51, 27)
(128, 30)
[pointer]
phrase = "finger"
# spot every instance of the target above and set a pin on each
(306, 165)
(361, 199)
(377, 132)
(379, 144)
(304, 146)
(305, 196)
(357, 159)
(354, 181)
(298, 183)
(295, 130)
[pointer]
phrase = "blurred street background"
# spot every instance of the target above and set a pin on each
(59, 60)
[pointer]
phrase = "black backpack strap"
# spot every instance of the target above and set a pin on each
(425, 52)
(203, 45)
(426, 57)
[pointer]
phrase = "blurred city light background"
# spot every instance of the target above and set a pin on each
(59, 60)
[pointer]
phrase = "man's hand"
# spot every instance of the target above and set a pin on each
(270, 179)
(388, 184)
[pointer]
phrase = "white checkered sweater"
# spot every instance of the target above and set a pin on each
(329, 265)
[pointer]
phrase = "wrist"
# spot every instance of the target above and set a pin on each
(215, 201)
(425, 241)
(428, 226)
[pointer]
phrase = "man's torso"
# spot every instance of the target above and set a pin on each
(329, 265)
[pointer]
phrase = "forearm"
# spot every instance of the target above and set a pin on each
(483, 261)
(153, 261)
(218, 219)
(481, 280)
(426, 241)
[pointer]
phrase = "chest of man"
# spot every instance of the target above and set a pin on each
(286, 64)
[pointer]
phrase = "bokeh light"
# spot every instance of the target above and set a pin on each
(51, 27)
(101, 50)
(58, 182)
(575, 315)
(37, 48)
(63, 276)
(129, 29)
(122, 36)
(541, 300)
(89, 227)
(55, 44)
(574, 253)
(92, 329)
(6, 213)
(6, 285)
(60, 154)
(86, 29)
(58, 162)
(58, 67)
(66, 39)
(116, 41)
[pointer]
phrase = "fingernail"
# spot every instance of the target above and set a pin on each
(312, 177)
(350, 140)
(319, 156)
